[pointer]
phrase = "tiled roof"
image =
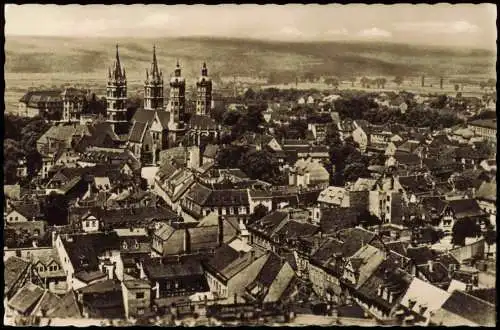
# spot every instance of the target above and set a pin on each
(487, 191)
(202, 122)
(143, 116)
(472, 308)
(211, 151)
(137, 132)
(334, 219)
(155, 270)
(67, 307)
(223, 256)
(26, 298)
(28, 210)
(487, 123)
(14, 268)
(463, 208)
(48, 300)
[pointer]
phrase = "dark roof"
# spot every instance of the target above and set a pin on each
(439, 273)
(156, 270)
(325, 256)
(28, 210)
(26, 298)
(333, 219)
(101, 287)
(420, 255)
(487, 123)
(407, 158)
(465, 208)
(471, 308)
(14, 268)
(89, 276)
(354, 239)
(137, 132)
(210, 151)
(390, 276)
(400, 247)
(488, 294)
(307, 198)
(269, 223)
(293, 229)
(83, 250)
(223, 257)
(270, 270)
(143, 116)
(415, 184)
(67, 307)
(126, 216)
(202, 122)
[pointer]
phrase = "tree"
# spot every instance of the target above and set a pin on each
(55, 209)
(366, 219)
(261, 165)
(259, 212)
(229, 157)
(398, 80)
(462, 229)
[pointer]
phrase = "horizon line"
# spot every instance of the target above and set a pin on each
(264, 40)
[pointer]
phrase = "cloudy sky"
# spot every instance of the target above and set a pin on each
(443, 24)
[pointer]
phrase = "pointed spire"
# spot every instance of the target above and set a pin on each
(117, 70)
(154, 66)
(178, 69)
(124, 75)
(109, 72)
(204, 70)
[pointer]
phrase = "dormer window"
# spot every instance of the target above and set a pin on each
(411, 303)
(124, 245)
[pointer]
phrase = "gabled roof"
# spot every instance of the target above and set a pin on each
(463, 208)
(202, 122)
(424, 294)
(48, 300)
(28, 210)
(143, 116)
(487, 191)
(368, 259)
(471, 308)
(14, 268)
(334, 219)
(211, 151)
(155, 270)
(26, 298)
(137, 132)
(67, 307)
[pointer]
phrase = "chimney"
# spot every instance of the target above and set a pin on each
(430, 264)
(380, 289)
(252, 254)
(235, 298)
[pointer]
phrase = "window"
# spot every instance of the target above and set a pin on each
(86, 223)
(139, 295)
(93, 223)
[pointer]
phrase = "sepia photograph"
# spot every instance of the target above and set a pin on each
(250, 165)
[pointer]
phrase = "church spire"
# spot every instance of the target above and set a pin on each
(204, 70)
(177, 69)
(117, 70)
(154, 66)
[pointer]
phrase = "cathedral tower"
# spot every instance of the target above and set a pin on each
(116, 97)
(204, 92)
(153, 86)
(176, 106)
(177, 100)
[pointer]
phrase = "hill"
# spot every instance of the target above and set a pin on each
(229, 57)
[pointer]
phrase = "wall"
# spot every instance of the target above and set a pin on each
(175, 244)
(132, 304)
(468, 251)
(65, 261)
(239, 282)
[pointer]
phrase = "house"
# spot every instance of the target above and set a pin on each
(360, 266)
(48, 300)
(422, 300)
(464, 309)
(102, 299)
(174, 278)
(361, 134)
(24, 300)
(460, 209)
(67, 307)
(210, 154)
(47, 266)
(16, 272)
(229, 273)
(201, 200)
(136, 297)
(489, 165)
(415, 187)
(334, 196)
(381, 293)
(333, 219)
(258, 197)
(306, 173)
(273, 280)
(486, 196)
(23, 212)
(89, 258)
(172, 183)
(42, 103)
(485, 128)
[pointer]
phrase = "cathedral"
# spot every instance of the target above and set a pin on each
(160, 125)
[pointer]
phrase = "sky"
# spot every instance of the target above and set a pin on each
(462, 25)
